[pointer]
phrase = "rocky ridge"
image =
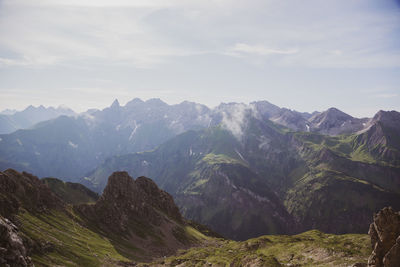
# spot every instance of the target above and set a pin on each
(25, 190)
(132, 221)
(144, 215)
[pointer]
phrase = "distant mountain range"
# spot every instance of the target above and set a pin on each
(71, 146)
(244, 170)
(12, 120)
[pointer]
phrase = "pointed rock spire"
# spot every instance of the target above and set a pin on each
(115, 104)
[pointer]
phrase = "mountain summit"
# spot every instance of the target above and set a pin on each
(334, 122)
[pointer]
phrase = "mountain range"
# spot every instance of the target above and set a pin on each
(243, 170)
(71, 146)
(12, 120)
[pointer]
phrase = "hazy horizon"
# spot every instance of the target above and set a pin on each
(306, 56)
(144, 100)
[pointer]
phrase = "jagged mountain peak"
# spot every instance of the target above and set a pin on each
(134, 102)
(115, 104)
(137, 196)
(387, 116)
(330, 114)
(28, 108)
(334, 122)
(265, 108)
(156, 102)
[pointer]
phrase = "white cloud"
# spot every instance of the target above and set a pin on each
(389, 95)
(145, 33)
(261, 50)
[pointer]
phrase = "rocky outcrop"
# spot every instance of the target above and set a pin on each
(12, 249)
(145, 216)
(125, 200)
(27, 191)
(385, 239)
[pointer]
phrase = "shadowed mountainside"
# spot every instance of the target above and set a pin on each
(132, 221)
(268, 179)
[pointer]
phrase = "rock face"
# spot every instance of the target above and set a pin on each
(335, 122)
(27, 191)
(145, 216)
(385, 239)
(125, 199)
(12, 249)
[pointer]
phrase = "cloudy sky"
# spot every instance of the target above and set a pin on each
(305, 55)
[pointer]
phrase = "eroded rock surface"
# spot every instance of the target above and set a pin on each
(385, 239)
(12, 249)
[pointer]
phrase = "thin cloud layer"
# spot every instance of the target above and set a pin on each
(147, 33)
(310, 50)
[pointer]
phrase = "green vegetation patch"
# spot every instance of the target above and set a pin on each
(312, 248)
(213, 159)
(62, 241)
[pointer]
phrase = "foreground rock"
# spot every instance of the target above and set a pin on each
(12, 249)
(385, 239)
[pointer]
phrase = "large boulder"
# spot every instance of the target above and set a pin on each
(385, 239)
(12, 249)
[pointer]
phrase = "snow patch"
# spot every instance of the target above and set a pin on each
(19, 142)
(308, 128)
(199, 108)
(240, 155)
(145, 163)
(136, 126)
(118, 127)
(86, 116)
(72, 144)
(264, 142)
(227, 180)
(37, 153)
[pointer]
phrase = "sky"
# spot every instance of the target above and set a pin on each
(304, 55)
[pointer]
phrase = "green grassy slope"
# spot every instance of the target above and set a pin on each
(312, 248)
(60, 234)
(71, 193)
(60, 240)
